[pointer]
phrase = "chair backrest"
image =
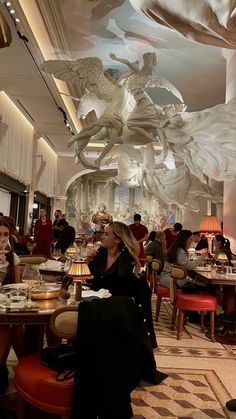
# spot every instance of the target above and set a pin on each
(177, 272)
(32, 260)
(63, 322)
(156, 266)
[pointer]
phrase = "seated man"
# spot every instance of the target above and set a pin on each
(157, 247)
(199, 242)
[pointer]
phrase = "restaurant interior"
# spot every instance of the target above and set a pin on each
(111, 108)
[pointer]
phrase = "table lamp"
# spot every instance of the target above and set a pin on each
(79, 271)
(210, 226)
(222, 258)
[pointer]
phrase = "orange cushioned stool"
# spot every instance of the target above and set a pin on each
(37, 385)
(196, 302)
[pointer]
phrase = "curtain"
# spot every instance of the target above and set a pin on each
(16, 142)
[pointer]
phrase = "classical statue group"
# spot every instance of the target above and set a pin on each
(199, 144)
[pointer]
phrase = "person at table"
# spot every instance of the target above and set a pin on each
(171, 234)
(177, 254)
(150, 238)
(115, 266)
(43, 235)
(140, 232)
(199, 242)
(222, 245)
(67, 236)
(9, 273)
(157, 247)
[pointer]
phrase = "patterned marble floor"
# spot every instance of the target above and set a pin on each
(202, 377)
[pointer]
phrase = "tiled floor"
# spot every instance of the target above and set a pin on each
(202, 377)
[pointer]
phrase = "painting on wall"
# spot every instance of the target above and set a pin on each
(91, 191)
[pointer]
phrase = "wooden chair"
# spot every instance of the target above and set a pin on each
(159, 290)
(200, 301)
(36, 384)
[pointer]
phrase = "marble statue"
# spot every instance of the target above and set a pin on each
(101, 217)
(137, 168)
(204, 140)
(207, 21)
(130, 116)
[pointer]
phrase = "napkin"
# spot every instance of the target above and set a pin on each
(102, 293)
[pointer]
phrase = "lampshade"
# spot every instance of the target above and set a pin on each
(222, 257)
(210, 224)
(80, 271)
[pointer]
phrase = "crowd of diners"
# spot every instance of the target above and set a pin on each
(115, 266)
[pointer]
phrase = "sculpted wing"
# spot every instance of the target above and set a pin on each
(158, 81)
(87, 73)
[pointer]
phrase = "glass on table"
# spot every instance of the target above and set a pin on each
(56, 253)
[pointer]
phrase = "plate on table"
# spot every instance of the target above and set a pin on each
(18, 286)
(203, 269)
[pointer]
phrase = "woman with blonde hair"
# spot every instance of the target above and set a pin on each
(115, 263)
(115, 266)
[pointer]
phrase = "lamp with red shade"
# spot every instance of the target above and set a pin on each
(210, 225)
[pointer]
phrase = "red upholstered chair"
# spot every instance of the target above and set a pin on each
(201, 301)
(36, 384)
(159, 290)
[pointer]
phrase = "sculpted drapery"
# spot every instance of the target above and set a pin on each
(210, 22)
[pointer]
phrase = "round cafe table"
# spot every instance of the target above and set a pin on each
(228, 335)
(34, 323)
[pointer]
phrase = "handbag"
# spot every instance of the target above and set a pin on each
(60, 358)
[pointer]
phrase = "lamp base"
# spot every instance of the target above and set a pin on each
(78, 290)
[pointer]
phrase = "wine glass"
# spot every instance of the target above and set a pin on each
(56, 253)
(5, 247)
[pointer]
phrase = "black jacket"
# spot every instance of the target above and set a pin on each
(112, 358)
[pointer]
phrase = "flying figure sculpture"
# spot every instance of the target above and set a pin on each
(204, 140)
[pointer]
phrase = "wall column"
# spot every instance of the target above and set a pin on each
(230, 186)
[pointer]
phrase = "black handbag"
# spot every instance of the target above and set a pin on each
(60, 358)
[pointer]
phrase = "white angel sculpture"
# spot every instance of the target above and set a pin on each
(130, 116)
(205, 140)
(137, 168)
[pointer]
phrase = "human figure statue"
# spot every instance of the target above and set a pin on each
(101, 217)
(204, 140)
(130, 116)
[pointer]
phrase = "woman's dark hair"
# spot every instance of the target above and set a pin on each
(152, 235)
(10, 276)
(225, 243)
(179, 243)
